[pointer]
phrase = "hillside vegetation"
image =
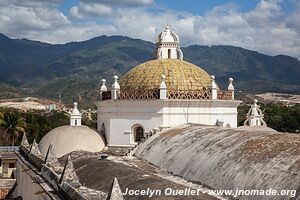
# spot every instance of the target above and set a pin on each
(38, 123)
(75, 69)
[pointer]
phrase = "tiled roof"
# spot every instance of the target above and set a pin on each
(180, 75)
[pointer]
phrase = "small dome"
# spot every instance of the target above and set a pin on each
(168, 36)
(180, 75)
(66, 139)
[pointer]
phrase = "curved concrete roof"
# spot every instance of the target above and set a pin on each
(227, 158)
(66, 139)
(131, 173)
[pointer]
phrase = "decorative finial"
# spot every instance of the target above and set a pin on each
(213, 82)
(24, 141)
(115, 88)
(75, 105)
(69, 174)
(51, 158)
(214, 88)
(255, 116)
(163, 88)
(230, 87)
(35, 149)
(115, 191)
(103, 88)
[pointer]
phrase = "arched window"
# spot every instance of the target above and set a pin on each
(169, 53)
(138, 134)
(75, 122)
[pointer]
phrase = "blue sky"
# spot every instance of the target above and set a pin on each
(202, 6)
(199, 7)
(267, 26)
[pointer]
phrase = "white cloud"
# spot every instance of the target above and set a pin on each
(127, 3)
(73, 33)
(17, 20)
(266, 28)
(31, 3)
(90, 9)
(266, 12)
(74, 12)
(294, 19)
(26, 18)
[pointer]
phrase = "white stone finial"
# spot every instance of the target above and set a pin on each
(35, 149)
(103, 88)
(75, 119)
(115, 192)
(255, 116)
(214, 88)
(115, 88)
(24, 141)
(103, 84)
(231, 87)
(163, 88)
(116, 85)
(51, 158)
(69, 174)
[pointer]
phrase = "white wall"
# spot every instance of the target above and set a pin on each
(165, 53)
(119, 116)
(205, 112)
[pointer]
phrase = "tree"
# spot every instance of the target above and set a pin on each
(39, 123)
(1, 118)
(14, 124)
(283, 118)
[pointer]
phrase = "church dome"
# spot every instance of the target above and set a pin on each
(66, 139)
(180, 75)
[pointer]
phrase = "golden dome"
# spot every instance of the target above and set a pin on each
(180, 75)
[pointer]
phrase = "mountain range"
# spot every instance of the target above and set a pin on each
(75, 69)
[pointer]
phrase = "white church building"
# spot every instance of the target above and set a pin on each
(162, 93)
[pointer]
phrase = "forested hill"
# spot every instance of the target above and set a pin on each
(75, 69)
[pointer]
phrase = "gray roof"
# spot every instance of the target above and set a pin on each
(227, 158)
(130, 172)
